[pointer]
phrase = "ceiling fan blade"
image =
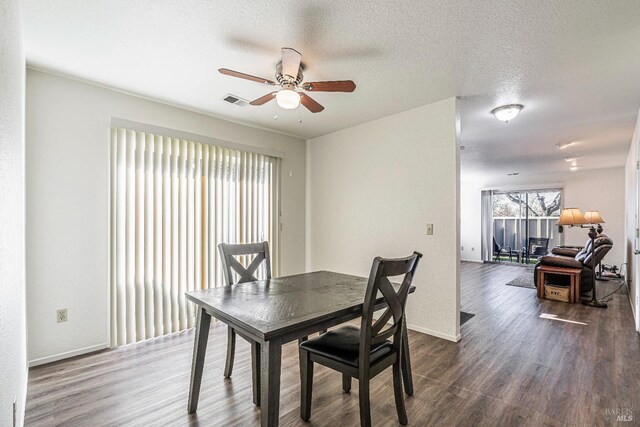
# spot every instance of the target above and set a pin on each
(244, 76)
(310, 103)
(264, 99)
(290, 62)
(334, 86)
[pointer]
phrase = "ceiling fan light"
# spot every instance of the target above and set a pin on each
(288, 99)
(506, 113)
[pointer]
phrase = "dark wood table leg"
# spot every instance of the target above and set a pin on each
(197, 363)
(407, 378)
(270, 377)
(255, 371)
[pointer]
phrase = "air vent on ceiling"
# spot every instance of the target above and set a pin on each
(233, 99)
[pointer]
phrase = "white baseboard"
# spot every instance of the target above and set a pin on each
(629, 284)
(425, 330)
(68, 354)
(479, 261)
(434, 333)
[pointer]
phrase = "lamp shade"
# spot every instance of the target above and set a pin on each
(288, 99)
(593, 217)
(571, 216)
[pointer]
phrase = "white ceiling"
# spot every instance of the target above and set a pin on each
(575, 65)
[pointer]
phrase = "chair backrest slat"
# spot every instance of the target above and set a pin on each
(382, 320)
(228, 254)
(496, 246)
(374, 333)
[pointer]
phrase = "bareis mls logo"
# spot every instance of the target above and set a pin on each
(621, 414)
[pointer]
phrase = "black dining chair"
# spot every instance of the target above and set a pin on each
(364, 352)
(499, 250)
(230, 265)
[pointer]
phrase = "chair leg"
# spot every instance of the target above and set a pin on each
(405, 360)
(346, 383)
(365, 404)
(231, 351)
(306, 384)
(397, 391)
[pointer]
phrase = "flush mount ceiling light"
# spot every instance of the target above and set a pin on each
(573, 168)
(570, 159)
(507, 112)
(513, 174)
(288, 99)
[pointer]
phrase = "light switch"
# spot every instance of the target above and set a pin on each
(429, 229)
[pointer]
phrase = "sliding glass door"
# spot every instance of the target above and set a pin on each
(524, 224)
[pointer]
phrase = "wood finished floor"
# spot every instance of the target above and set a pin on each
(510, 368)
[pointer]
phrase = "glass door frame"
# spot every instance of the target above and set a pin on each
(523, 204)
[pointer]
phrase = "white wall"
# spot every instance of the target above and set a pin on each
(631, 221)
(372, 189)
(67, 202)
(603, 190)
(470, 222)
(13, 360)
(597, 189)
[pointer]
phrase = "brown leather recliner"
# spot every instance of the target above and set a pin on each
(576, 257)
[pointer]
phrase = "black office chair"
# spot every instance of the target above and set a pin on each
(364, 352)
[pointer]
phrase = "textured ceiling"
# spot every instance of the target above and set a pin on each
(575, 65)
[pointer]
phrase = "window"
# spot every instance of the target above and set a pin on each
(520, 216)
(172, 202)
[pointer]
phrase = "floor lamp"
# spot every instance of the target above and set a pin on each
(594, 218)
(572, 217)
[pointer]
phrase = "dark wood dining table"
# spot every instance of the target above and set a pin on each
(274, 312)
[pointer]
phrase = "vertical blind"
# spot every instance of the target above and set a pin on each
(486, 212)
(172, 202)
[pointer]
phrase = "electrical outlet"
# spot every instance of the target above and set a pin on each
(429, 229)
(61, 315)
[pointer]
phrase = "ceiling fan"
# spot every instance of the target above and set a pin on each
(289, 77)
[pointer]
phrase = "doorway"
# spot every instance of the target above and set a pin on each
(523, 223)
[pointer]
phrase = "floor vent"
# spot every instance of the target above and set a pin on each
(232, 99)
